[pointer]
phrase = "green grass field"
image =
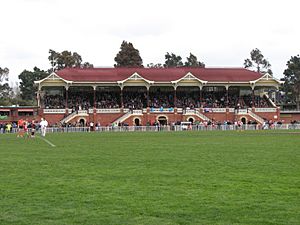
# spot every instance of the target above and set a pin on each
(151, 178)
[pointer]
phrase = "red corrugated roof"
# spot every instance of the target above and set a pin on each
(158, 74)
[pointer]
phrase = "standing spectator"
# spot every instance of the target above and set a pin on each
(91, 126)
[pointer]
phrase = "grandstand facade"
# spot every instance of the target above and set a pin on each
(145, 96)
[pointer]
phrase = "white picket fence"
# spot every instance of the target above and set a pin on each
(165, 128)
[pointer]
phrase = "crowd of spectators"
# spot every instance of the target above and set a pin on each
(188, 100)
(53, 102)
(135, 100)
(259, 102)
(157, 99)
(79, 101)
(108, 100)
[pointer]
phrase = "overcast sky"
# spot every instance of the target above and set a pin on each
(220, 33)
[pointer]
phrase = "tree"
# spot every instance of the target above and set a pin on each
(258, 61)
(5, 89)
(172, 60)
(87, 65)
(128, 56)
(66, 59)
(193, 62)
(292, 79)
(27, 87)
(152, 65)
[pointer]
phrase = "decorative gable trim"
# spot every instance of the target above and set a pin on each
(266, 77)
(52, 77)
(135, 77)
(189, 76)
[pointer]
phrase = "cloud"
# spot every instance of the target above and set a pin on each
(139, 30)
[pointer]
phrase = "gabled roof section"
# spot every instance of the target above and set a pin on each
(189, 77)
(135, 77)
(52, 77)
(266, 78)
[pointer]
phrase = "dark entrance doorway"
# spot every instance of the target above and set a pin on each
(163, 120)
(82, 122)
(137, 122)
(243, 120)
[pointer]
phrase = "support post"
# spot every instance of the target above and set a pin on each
(121, 93)
(148, 97)
(253, 105)
(175, 97)
(227, 95)
(200, 95)
(94, 88)
(67, 98)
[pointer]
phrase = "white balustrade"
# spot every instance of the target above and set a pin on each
(219, 110)
(161, 110)
(116, 110)
(137, 112)
(265, 110)
(54, 111)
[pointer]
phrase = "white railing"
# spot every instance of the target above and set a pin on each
(116, 110)
(161, 110)
(122, 118)
(179, 110)
(255, 116)
(241, 111)
(197, 113)
(202, 116)
(68, 118)
(219, 110)
(54, 111)
(265, 109)
(270, 100)
(189, 111)
(137, 112)
(82, 112)
(166, 128)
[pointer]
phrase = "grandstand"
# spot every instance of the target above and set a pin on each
(144, 96)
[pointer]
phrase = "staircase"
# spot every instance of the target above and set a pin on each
(202, 116)
(122, 118)
(197, 113)
(249, 112)
(255, 116)
(73, 115)
(269, 100)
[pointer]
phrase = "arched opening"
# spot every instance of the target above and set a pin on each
(137, 122)
(191, 120)
(163, 120)
(82, 122)
(244, 120)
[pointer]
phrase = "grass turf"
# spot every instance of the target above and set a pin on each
(151, 178)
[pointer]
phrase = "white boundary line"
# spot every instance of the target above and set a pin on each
(48, 142)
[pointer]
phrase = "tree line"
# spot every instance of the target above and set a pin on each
(129, 56)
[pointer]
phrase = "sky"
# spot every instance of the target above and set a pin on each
(220, 33)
